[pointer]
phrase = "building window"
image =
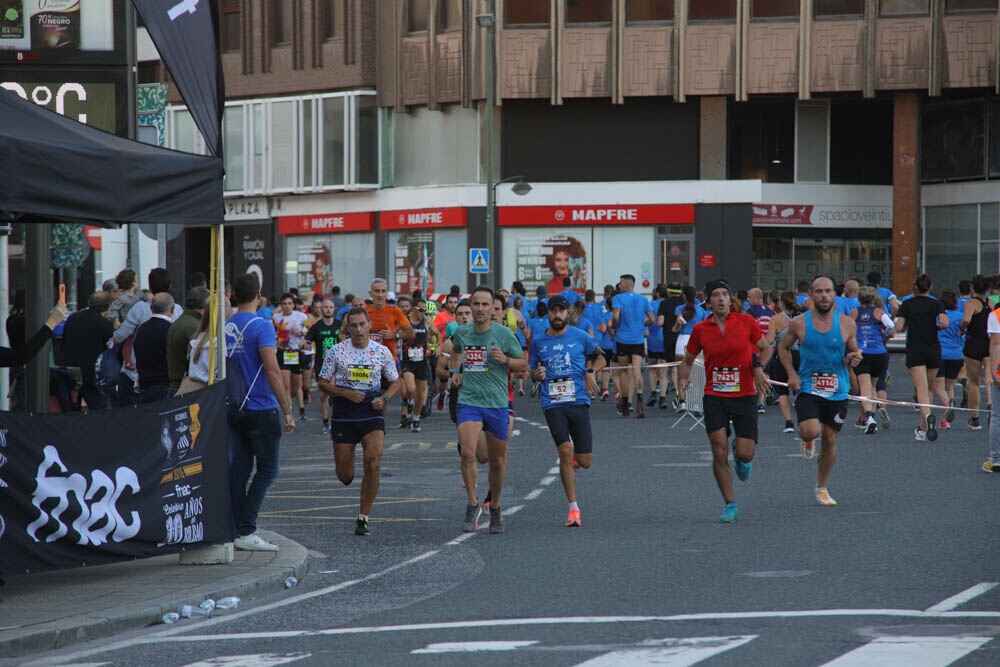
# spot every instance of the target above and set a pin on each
(839, 8)
(774, 9)
(449, 15)
(812, 141)
(953, 140)
(526, 12)
(417, 14)
(332, 17)
(229, 26)
(904, 7)
(706, 10)
(588, 11)
(280, 22)
(640, 11)
(969, 5)
(761, 140)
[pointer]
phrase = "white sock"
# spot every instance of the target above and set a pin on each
(363, 516)
(574, 506)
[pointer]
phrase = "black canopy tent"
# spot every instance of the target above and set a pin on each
(54, 169)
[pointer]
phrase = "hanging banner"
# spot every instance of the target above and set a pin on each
(186, 35)
(79, 489)
(413, 263)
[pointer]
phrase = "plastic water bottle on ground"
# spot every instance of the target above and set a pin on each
(231, 602)
(171, 617)
(208, 605)
(190, 611)
(291, 582)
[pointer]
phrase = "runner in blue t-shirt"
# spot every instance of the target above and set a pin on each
(632, 313)
(563, 360)
(656, 355)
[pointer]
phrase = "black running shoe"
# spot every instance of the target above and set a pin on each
(652, 399)
(361, 527)
(497, 525)
(949, 416)
(932, 433)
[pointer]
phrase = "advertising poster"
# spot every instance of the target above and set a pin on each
(78, 489)
(413, 263)
(64, 26)
(315, 270)
(254, 253)
(543, 257)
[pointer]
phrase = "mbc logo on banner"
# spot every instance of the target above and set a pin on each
(90, 489)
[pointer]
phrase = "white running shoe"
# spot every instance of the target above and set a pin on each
(253, 542)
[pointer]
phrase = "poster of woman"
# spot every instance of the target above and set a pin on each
(414, 263)
(545, 257)
(318, 275)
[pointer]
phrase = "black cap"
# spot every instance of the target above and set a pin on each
(714, 285)
(558, 301)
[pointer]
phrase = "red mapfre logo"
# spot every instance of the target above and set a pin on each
(617, 214)
(325, 224)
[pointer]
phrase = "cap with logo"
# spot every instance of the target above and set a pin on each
(558, 301)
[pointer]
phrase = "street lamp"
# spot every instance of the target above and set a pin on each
(489, 22)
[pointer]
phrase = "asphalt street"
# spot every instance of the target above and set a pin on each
(902, 571)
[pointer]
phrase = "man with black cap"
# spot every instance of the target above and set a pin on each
(563, 362)
(735, 352)
(664, 319)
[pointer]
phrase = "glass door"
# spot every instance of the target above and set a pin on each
(813, 257)
(676, 260)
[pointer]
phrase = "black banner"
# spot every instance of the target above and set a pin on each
(185, 33)
(80, 489)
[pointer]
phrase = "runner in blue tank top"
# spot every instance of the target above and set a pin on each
(873, 323)
(827, 342)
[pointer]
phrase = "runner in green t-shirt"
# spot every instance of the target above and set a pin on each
(489, 352)
(323, 334)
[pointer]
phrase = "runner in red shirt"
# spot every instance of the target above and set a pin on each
(733, 374)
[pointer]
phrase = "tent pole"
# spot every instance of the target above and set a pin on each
(38, 275)
(4, 309)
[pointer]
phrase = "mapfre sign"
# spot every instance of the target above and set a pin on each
(326, 224)
(423, 218)
(616, 214)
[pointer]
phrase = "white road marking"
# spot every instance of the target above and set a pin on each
(513, 510)
(912, 651)
(547, 480)
(955, 601)
(554, 470)
(473, 647)
(252, 660)
(679, 465)
(531, 495)
(669, 652)
(461, 538)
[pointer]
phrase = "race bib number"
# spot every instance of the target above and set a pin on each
(375, 337)
(475, 360)
(290, 357)
(726, 380)
(824, 384)
(415, 354)
(361, 377)
(562, 390)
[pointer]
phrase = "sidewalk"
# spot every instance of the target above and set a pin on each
(50, 610)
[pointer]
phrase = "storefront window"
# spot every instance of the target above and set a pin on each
(950, 236)
(773, 9)
(772, 264)
(413, 260)
(526, 12)
(707, 10)
(323, 260)
(417, 14)
(640, 11)
(333, 141)
(989, 239)
(904, 7)
(544, 256)
(588, 11)
(839, 8)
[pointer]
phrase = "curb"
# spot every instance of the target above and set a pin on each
(268, 578)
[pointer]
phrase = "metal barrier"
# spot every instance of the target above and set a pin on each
(695, 396)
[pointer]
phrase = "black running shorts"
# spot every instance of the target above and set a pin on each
(742, 410)
(829, 413)
(351, 433)
(923, 356)
(571, 422)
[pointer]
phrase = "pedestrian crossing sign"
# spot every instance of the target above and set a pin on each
(479, 260)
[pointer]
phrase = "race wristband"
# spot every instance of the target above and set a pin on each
(453, 370)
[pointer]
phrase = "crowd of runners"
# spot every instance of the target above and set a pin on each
(469, 355)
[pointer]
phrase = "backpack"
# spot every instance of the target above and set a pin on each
(237, 391)
(107, 368)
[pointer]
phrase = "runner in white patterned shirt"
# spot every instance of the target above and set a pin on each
(353, 372)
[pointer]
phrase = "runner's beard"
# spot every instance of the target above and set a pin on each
(820, 309)
(557, 325)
